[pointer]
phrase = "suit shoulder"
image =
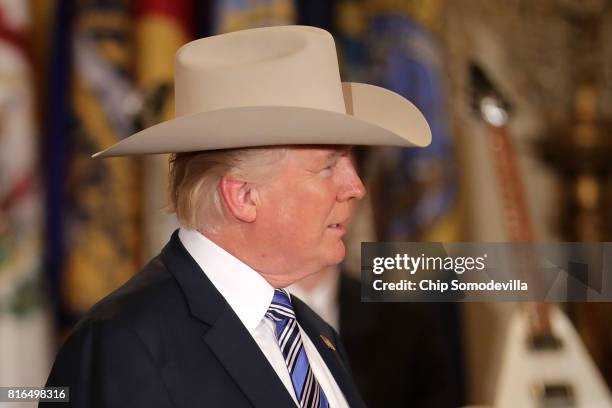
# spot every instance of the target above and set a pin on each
(150, 294)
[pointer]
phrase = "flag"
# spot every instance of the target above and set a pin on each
(406, 58)
(232, 15)
(102, 205)
(25, 332)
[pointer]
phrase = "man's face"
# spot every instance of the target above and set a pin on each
(303, 213)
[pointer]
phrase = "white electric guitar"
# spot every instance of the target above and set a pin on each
(544, 363)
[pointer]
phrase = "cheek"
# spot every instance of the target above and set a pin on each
(284, 220)
(306, 206)
(299, 216)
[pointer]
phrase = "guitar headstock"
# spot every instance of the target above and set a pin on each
(485, 98)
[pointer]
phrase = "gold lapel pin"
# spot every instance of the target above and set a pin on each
(328, 343)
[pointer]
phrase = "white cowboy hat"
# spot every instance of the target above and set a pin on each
(273, 86)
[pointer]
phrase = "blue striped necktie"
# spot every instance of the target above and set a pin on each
(306, 386)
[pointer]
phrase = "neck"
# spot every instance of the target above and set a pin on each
(261, 258)
(312, 282)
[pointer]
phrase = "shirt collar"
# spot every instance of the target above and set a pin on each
(246, 291)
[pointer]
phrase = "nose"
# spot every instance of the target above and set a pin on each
(351, 186)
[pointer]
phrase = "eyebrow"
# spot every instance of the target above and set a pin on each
(341, 151)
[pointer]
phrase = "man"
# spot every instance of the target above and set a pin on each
(207, 322)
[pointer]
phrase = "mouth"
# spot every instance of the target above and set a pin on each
(338, 227)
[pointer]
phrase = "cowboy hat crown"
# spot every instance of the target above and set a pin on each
(273, 86)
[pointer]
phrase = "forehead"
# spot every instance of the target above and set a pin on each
(318, 152)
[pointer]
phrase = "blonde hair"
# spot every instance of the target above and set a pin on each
(195, 176)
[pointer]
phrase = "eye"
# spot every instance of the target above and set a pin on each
(330, 166)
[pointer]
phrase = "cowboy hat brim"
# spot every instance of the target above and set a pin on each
(375, 116)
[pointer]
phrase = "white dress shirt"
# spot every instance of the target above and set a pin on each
(250, 295)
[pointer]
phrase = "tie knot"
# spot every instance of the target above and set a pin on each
(280, 308)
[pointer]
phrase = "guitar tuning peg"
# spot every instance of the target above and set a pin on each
(485, 99)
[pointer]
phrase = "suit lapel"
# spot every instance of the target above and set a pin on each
(244, 361)
(227, 337)
(313, 327)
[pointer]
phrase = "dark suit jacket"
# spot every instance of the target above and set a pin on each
(167, 338)
(400, 353)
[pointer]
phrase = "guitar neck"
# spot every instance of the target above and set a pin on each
(516, 216)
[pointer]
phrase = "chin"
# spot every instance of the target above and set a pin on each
(336, 255)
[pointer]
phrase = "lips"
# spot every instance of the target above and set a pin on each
(340, 226)
(336, 229)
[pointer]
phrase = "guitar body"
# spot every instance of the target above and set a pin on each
(560, 377)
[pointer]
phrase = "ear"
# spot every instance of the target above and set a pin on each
(240, 198)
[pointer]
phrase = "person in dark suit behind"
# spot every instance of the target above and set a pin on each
(207, 323)
(400, 354)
